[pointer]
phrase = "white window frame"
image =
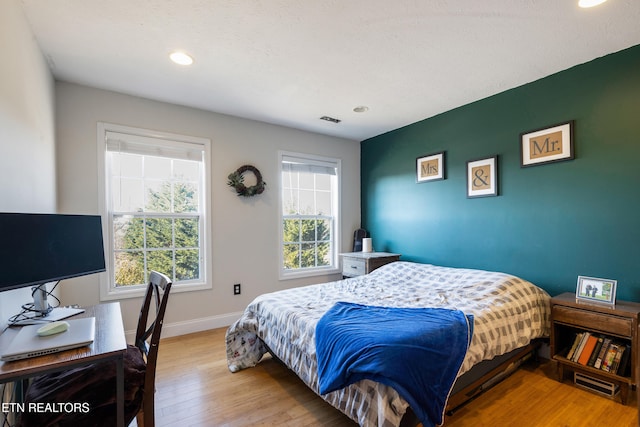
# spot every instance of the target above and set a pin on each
(108, 290)
(334, 268)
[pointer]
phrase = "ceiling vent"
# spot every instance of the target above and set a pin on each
(330, 119)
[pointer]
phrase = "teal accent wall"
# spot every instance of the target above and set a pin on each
(550, 223)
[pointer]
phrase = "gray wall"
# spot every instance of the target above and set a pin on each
(27, 145)
(244, 231)
(48, 163)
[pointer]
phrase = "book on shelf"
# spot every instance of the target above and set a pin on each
(576, 342)
(583, 342)
(595, 352)
(608, 361)
(587, 349)
(603, 351)
(616, 361)
(623, 368)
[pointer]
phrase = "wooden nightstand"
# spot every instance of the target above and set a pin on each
(359, 263)
(618, 323)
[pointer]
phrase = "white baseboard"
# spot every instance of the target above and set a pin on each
(190, 326)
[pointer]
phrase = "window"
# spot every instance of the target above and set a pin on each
(309, 226)
(154, 208)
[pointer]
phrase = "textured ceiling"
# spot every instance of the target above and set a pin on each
(290, 62)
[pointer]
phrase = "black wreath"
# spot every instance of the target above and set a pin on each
(236, 180)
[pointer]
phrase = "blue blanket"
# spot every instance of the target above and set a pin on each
(417, 351)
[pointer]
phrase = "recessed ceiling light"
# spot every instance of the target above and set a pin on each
(181, 58)
(590, 3)
(361, 109)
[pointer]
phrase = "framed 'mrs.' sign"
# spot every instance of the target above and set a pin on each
(430, 167)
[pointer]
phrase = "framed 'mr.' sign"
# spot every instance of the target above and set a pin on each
(551, 144)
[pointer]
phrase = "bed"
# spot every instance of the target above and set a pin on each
(507, 313)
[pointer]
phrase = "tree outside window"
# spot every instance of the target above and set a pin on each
(309, 203)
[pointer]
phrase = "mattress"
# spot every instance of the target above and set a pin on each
(508, 313)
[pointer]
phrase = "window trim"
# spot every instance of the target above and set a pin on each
(108, 290)
(284, 274)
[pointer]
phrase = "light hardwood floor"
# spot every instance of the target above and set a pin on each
(195, 388)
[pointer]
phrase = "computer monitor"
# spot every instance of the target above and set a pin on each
(36, 249)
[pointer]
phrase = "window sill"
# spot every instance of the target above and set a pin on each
(139, 290)
(288, 274)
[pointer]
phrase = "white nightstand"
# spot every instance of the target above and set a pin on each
(359, 263)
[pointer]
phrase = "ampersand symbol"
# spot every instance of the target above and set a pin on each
(479, 179)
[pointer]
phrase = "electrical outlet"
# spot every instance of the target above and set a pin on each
(236, 289)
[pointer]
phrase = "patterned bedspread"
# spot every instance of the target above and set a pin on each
(508, 313)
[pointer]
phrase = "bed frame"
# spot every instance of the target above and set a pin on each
(480, 378)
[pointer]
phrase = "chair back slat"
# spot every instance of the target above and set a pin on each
(148, 337)
(158, 292)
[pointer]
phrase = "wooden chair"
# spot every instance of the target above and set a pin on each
(148, 340)
(95, 384)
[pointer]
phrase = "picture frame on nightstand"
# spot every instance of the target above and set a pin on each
(592, 289)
